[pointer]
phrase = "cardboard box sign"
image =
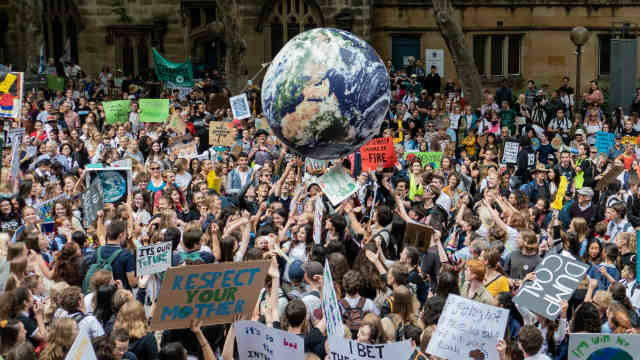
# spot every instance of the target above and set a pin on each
(213, 293)
(418, 235)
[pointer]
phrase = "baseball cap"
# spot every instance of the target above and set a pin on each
(312, 268)
(618, 137)
(296, 273)
(585, 191)
(580, 132)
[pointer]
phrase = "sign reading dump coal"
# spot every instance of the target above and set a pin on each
(557, 277)
(213, 293)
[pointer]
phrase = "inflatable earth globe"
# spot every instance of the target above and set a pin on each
(326, 93)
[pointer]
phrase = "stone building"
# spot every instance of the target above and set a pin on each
(521, 39)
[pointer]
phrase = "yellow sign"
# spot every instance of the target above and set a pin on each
(6, 84)
(562, 189)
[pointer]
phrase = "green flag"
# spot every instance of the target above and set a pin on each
(55, 82)
(154, 110)
(116, 111)
(180, 74)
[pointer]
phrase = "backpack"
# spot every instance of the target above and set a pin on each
(390, 246)
(353, 316)
(100, 264)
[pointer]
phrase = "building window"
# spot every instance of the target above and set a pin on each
(195, 17)
(288, 19)
(59, 26)
(498, 55)
(604, 54)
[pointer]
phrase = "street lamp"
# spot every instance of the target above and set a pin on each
(579, 36)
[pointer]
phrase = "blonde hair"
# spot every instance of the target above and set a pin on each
(60, 339)
(132, 319)
(388, 330)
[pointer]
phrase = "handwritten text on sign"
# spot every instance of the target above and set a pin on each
(467, 328)
(330, 309)
(153, 258)
(557, 277)
(347, 349)
(379, 151)
(213, 293)
(256, 341)
(618, 346)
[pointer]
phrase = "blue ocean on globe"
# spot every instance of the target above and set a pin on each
(114, 185)
(326, 93)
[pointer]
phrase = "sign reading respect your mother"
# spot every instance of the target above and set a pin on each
(213, 293)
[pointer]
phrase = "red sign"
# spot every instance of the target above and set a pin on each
(378, 151)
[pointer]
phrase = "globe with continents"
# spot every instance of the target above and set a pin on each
(326, 93)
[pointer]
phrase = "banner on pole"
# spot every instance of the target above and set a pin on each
(177, 74)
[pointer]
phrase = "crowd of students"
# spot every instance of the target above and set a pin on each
(492, 221)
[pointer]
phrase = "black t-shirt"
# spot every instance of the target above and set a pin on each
(124, 263)
(30, 326)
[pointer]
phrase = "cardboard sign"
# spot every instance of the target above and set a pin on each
(116, 111)
(81, 349)
(608, 177)
(176, 122)
(185, 151)
(221, 133)
(562, 190)
(92, 202)
(256, 341)
(429, 158)
(378, 151)
(154, 110)
(468, 329)
(213, 293)
(341, 348)
(603, 346)
(557, 277)
(510, 155)
(418, 235)
(604, 141)
(117, 182)
(153, 259)
(337, 184)
(240, 106)
(330, 308)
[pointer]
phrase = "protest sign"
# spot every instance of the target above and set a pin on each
(116, 111)
(608, 177)
(418, 235)
(174, 74)
(240, 106)
(213, 293)
(153, 258)
(185, 151)
(604, 346)
(81, 349)
(16, 134)
(55, 82)
(11, 89)
(124, 163)
(562, 190)
(15, 158)
(45, 208)
(557, 277)
(468, 329)
(378, 151)
(92, 202)
(341, 348)
(317, 220)
(176, 122)
(604, 140)
(117, 182)
(154, 110)
(430, 158)
(337, 184)
(510, 155)
(257, 341)
(330, 308)
(221, 133)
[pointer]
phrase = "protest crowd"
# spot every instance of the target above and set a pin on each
(452, 205)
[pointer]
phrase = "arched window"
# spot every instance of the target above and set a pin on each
(60, 20)
(288, 19)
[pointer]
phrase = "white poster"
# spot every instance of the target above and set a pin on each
(337, 184)
(341, 348)
(81, 348)
(330, 308)
(510, 155)
(240, 106)
(153, 258)
(256, 341)
(317, 220)
(468, 329)
(434, 57)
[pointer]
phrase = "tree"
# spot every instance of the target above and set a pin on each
(26, 31)
(235, 67)
(461, 54)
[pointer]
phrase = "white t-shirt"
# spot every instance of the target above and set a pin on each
(369, 305)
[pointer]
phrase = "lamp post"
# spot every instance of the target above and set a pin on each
(579, 36)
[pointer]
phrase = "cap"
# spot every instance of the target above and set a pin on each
(296, 273)
(413, 75)
(585, 191)
(312, 268)
(580, 132)
(618, 137)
